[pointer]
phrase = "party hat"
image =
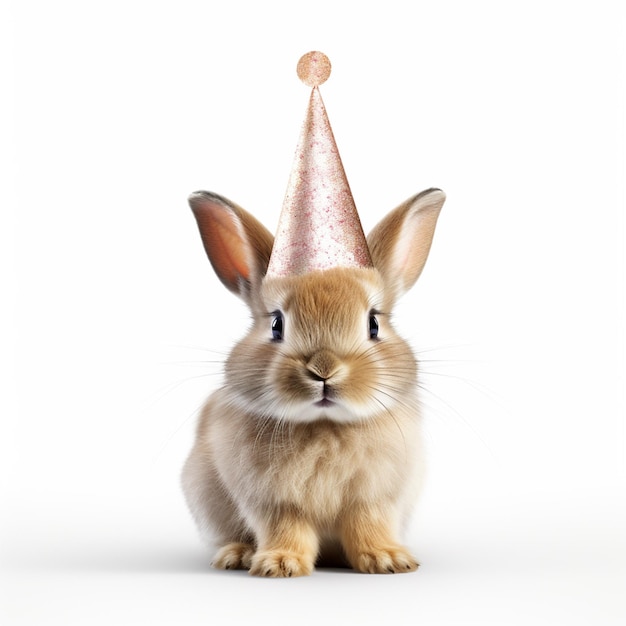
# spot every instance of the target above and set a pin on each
(319, 227)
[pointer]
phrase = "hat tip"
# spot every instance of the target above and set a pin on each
(313, 68)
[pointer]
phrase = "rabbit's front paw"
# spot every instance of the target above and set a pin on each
(234, 556)
(388, 560)
(280, 564)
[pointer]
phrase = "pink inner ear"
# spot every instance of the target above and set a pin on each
(223, 243)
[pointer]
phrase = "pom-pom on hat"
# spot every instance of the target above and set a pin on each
(319, 227)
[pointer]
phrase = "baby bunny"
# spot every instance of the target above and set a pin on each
(310, 452)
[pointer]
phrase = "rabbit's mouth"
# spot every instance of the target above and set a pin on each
(324, 402)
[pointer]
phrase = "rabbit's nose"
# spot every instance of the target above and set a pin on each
(322, 365)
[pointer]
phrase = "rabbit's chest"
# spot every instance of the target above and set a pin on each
(321, 469)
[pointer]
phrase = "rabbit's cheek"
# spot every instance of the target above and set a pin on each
(290, 382)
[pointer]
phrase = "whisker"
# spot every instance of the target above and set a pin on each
(461, 417)
(392, 415)
(193, 363)
(193, 414)
(199, 349)
(468, 381)
(171, 387)
(451, 346)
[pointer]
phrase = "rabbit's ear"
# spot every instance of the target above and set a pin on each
(400, 243)
(237, 244)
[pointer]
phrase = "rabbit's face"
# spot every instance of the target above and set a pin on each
(321, 347)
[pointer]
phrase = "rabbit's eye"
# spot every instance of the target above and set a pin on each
(277, 326)
(373, 327)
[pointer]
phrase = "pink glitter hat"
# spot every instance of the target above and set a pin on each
(319, 227)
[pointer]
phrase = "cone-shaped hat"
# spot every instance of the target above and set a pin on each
(319, 227)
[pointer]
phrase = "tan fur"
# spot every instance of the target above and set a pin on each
(281, 481)
(400, 243)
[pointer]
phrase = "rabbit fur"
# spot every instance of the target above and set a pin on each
(310, 452)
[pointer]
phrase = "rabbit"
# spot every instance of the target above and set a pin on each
(311, 451)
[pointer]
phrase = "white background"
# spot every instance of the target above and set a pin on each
(121, 109)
